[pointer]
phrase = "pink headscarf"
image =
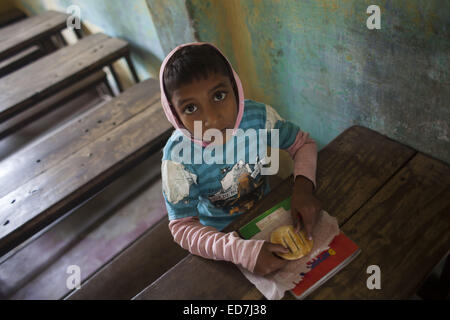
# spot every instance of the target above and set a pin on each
(171, 113)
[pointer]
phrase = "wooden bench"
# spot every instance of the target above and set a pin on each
(137, 266)
(30, 31)
(53, 102)
(52, 175)
(26, 41)
(21, 59)
(34, 82)
(392, 200)
(95, 235)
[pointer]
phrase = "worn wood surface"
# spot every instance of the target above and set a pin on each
(87, 154)
(139, 264)
(403, 229)
(20, 59)
(351, 170)
(34, 160)
(50, 104)
(40, 79)
(21, 34)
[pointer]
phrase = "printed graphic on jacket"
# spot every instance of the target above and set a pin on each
(241, 188)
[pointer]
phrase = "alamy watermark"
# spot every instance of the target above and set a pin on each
(374, 281)
(74, 280)
(74, 20)
(213, 153)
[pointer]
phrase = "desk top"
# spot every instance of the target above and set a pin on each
(21, 34)
(390, 199)
(38, 80)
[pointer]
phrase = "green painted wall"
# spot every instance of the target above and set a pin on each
(318, 64)
(172, 23)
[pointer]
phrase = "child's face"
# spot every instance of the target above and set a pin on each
(211, 101)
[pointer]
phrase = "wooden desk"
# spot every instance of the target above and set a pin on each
(24, 57)
(29, 31)
(393, 201)
(38, 80)
(41, 182)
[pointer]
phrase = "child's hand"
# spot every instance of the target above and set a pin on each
(305, 206)
(267, 262)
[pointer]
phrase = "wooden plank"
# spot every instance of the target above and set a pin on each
(351, 169)
(219, 280)
(149, 256)
(54, 148)
(51, 103)
(89, 236)
(403, 229)
(26, 32)
(30, 84)
(47, 196)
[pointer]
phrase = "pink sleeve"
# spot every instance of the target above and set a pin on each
(209, 243)
(304, 153)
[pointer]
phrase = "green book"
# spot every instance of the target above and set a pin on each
(251, 228)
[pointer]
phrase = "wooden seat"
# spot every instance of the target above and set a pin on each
(42, 181)
(11, 16)
(51, 103)
(38, 80)
(22, 58)
(137, 266)
(91, 236)
(24, 33)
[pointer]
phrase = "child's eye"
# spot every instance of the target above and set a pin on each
(220, 95)
(191, 108)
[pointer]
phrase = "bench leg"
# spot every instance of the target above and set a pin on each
(108, 86)
(78, 33)
(47, 45)
(116, 78)
(61, 38)
(132, 69)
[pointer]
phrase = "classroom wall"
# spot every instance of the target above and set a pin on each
(319, 66)
(315, 61)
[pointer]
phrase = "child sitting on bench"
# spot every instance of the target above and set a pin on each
(201, 92)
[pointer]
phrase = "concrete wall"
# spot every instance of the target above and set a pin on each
(313, 60)
(318, 64)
